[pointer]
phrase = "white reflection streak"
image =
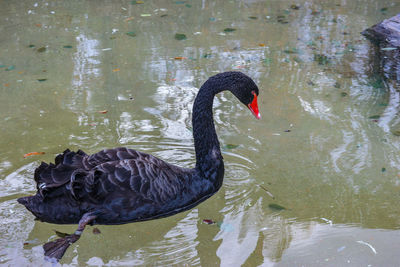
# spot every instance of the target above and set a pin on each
(85, 69)
(179, 244)
(338, 152)
(391, 112)
(240, 240)
(317, 108)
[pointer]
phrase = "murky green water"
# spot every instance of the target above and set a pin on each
(323, 150)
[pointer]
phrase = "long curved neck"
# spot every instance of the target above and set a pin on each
(209, 161)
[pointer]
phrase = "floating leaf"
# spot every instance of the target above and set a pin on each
(281, 19)
(298, 60)
(60, 234)
(129, 19)
(96, 231)
(321, 59)
(267, 61)
(374, 117)
(343, 94)
(42, 80)
(291, 51)
(31, 45)
(180, 58)
(145, 15)
(33, 153)
(383, 169)
(276, 207)
(131, 34)
(377, 82)
(188, 5)
(10, 68)
(207, 55)
(337, 85)
(261, 44)
(180, 2)
(295, 7)
(229, 29)
(137, 2)
(115, 70)
(230, 146)
(180, 36)
(384, 9)
(164, 15)
(208, 221)
(41, 49)
(309, 82)
(102, 111)
(253, 17)
(67, 46)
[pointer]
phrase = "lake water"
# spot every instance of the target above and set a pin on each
(315, 182)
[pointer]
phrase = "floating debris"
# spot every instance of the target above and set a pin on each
(266, 190)
(229, 29)
(369, 245)
(60, 234)
(291, 50)
(327, 221)
(295, 7)
(42, 80)
(41, 49)
(230, 146)
(33, 153)
(12, 67)
(67, 46)
(102, 111)
(96, 231)
(276, 207)
(374, 117)
(180, 58)
(321, 59)
(131, 34)
(180, 36)
(282, 19)
(208, 221)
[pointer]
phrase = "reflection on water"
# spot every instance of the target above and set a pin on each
(324, 151)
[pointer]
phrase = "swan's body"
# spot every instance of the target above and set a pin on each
(121, 185)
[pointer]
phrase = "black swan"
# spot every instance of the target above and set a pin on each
(121, 185)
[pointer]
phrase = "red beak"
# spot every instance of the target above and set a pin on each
(253, 106)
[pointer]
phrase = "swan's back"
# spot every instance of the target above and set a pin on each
(126, 185)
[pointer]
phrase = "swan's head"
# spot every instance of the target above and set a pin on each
(246, 90)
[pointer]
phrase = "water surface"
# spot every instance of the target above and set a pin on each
(98, 74)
